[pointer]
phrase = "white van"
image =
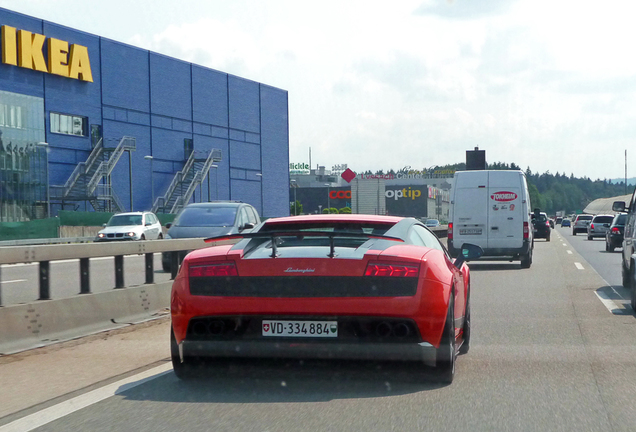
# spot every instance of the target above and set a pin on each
(492, 209)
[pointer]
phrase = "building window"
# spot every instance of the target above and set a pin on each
(12, 116)
(68, 124)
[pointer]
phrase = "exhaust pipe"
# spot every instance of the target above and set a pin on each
(216, 327)
(383, 329)
(401, 330)
(199, 328)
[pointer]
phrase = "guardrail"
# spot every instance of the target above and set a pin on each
(44, 254)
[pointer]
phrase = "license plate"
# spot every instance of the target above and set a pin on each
(470, 231)
(300, 328)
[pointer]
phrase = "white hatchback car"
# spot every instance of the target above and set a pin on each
(131, 226)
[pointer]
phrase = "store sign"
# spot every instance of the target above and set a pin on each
(403, 193)
(25, 49)
(341, 194)
(299, 168)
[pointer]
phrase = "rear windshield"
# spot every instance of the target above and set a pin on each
(206, 217)
(603, 219)
(620, 220)
(584, 218)
(367, 228)
(124, 220)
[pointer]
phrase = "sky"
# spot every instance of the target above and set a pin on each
(544, 84)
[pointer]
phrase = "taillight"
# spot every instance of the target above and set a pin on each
(547, 223)
(615, 230)
(526, 231)
(397, 270)
(449, 236)
(207, 270)
(592, 226)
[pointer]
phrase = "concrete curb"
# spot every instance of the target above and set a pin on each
(41, 323)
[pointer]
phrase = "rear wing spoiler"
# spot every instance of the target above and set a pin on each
(273, 235)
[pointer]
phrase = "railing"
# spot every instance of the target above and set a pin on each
(176, 180)
(83, 168)
(106, 167)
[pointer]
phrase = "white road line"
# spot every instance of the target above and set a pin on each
(579, 266)
(65, 408)
(14, 281)
(608, 303)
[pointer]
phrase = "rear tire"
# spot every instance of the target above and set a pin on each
(625, 275)
(447, 351)
(573, 232)
(590, 237)
(183, 371)
(526, 260)
(547, 238)
(466, 329)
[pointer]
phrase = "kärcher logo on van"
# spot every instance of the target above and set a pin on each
(504, 196)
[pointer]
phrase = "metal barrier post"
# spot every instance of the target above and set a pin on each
(0, 286)
(174, 264)
(119, 271)
(85, 280)
(45, 293)
(150, 271)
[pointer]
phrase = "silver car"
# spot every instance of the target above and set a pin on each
(599, 226)
(580, 224)
(131, 226)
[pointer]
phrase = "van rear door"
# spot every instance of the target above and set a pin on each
(470, 214)
(505, 210)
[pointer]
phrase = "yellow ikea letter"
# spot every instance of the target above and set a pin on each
(58, 57)
(9, 51)
(80, 64)
(30, 54)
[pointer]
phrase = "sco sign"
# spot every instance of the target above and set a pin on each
(340, 194)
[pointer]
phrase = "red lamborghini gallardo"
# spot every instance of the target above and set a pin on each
(325, 286)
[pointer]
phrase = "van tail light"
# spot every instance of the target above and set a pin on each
(526, 231)
(391, 270)
(449, 236)
(211, 270)
(547, 223)
(592, 226)
(615, 230)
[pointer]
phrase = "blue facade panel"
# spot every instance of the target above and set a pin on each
(274, 149)
(209, 96)
(126, 79)
(244, 105)
(244, 155)
(170, 87)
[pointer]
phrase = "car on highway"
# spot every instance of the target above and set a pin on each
(210, 219)
(541, 226)
(325, 286)
(614, 235)
(628, 257)
(131, 226)
(580, 223)
(598, 226)
(565, 222)
(432, 223)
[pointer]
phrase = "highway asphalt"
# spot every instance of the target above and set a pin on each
(547, 354)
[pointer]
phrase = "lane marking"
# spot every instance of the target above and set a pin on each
(607, 302)
(65, 408)
(579, 266)
(14, 281)
(569, 251)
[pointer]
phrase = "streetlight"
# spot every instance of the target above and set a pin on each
(152, 180)
(328, 197)
(45, 145)
(295, 186)
(216, 183)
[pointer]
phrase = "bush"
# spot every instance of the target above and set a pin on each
(345, 210)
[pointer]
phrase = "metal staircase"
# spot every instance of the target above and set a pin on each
(186, 181)
(85, 182)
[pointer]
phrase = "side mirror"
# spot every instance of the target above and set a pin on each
(148, 224)
(168, 225)
(248, 225)
(469, 252)
(104, 225)
(619, 206)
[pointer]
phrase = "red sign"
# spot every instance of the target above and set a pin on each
(348, 175)
(504, 196)
(340, 194)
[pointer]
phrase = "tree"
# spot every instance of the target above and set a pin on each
(295, 208)
(345, 210)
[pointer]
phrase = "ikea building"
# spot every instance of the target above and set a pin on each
(91, 124)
